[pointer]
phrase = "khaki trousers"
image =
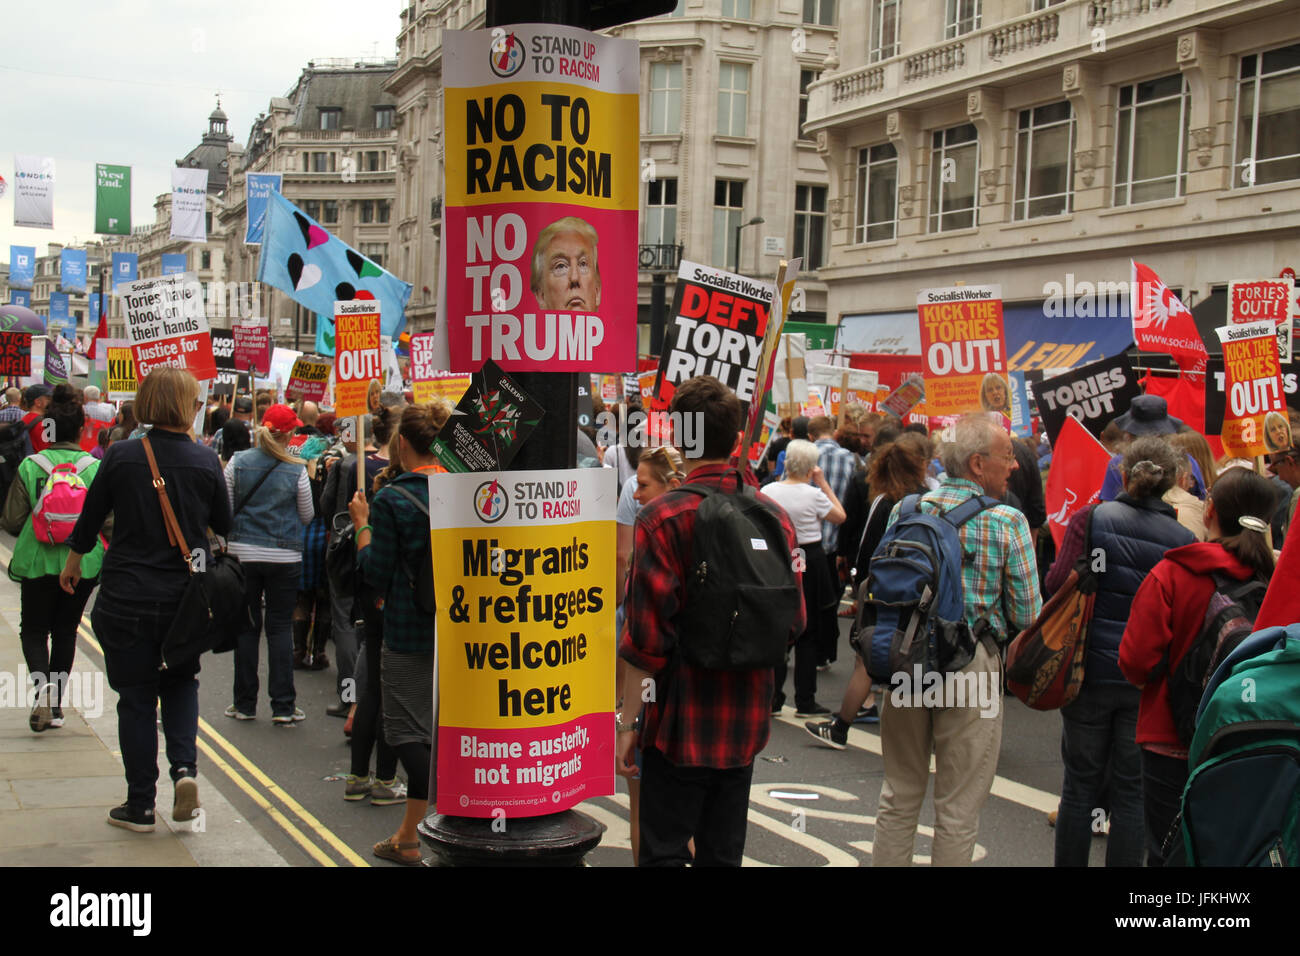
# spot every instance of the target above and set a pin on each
(965, 746)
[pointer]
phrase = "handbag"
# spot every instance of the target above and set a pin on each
(341, 555)
(213, 609)
(1045, 662)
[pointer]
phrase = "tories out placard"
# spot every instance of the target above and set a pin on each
(541, 198)
(1094, 394)
(1264, 300)
(357, 361)
(165, 325)
(717, 328)
(1255, 420)
(525, 640)
(964, 347)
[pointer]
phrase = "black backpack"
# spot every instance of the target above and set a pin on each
(421, 581)
(13, 448)
(741, 594)
(1229, 620)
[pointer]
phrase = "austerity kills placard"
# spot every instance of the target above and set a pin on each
(525, 641)
(541, 198)
(1094, 394)
(1255, 420)
(964, 347)
(121, 373)
(165, 325)
(717, 326)
(357, 361)
(308, 379)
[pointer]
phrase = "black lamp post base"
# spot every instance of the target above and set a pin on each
(558, 839)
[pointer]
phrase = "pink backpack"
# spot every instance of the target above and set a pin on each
(61, 500)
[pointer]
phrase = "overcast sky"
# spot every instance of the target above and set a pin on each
(131, 82)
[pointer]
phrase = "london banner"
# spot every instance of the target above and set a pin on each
(112, 200)
(525, 640)
(964, 347)
(189, 204)
(34, 191)
(541, 199)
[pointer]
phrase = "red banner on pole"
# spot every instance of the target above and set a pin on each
(1078, 468)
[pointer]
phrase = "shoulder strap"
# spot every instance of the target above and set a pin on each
(910, 505)
(174, 534)
(252, 491)
(968, 509)
(424, 510)
(43, 463)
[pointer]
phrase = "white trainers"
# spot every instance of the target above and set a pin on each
(293, 718)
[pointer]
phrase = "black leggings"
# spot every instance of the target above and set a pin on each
(368, 721)
(48, 628)
(415, 758)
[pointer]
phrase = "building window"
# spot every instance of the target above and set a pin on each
(367, 212)
(877, 217)
(330, 117)
(805, 77)
(1044, 4)
(384, 117)
(207, 221)
(376, 252)
(383, 209)
(665, 98)
(1268, 118)
(810, 225)
(312, 208)
(1044, 161)
(330, 211)
(733, 98)
(205, 259)
(1151, 140)
(821, 12)
(679, 10)
(728, 203)
(306, 321)
(661, 212)
(736, 9)
(963, 17)
(374, 161)
(954, 168)
(884, 29)
(322, 162)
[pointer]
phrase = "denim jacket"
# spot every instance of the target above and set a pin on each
(269, 518)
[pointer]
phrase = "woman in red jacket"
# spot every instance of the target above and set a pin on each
(1168, 613)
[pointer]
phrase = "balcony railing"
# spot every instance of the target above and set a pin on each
(659, 257)
(857, 84)
(1021, 36)
(933, 62)
(1101, 12)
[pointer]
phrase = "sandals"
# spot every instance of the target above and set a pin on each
(388, 850)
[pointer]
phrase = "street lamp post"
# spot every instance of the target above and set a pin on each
(753, 222)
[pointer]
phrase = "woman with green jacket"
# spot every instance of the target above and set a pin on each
(48, 628)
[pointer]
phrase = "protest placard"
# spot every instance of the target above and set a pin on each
(1264, 300)
(525, 641)
(357, 361)
(541, 198)
(490, 422)
(716, 328)
(223, 353)
(252, 348)
(964, 347)
(902, 400)
(1094, 394)
(15, 353)
(844, 385)
(122, 382)
(1255, 420)
(165, 325)
(308, 379)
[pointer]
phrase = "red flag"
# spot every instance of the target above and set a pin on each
(1161, 323)
(1074, 481)
(1282, 600)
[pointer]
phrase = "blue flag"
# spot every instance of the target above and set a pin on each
(260, 186)
(60, 317)
(72, 270)
(20, 298)
(92, 313)
(125, 268)
(174, 263)
(22, 266)
(315, 269)
(1020, 423)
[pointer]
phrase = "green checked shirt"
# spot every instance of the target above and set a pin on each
(1002, 579)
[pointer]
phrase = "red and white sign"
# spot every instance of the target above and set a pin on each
(357, 361)
(1265, 300)
(429, 384)
(1161, 323)
(165, 325)
(1074, 481)
(1254, 419)
(252, 348)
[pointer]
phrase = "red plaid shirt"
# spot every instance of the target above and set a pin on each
(699, 717)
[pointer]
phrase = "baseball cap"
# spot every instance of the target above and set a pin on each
(281, 418)
(34, 392)
(243, 404)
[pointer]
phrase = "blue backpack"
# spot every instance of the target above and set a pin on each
(911, 610)
(1241, 805)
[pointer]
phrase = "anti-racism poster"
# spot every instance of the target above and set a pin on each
(34, 191)
(308, 379)
(223, 353)
(122, 382)
(189, 203)
(15, 353)
(541, 198)
(72, 271)
(1265, 300)
(1255, 420)
(259, 186)
(356, 354)
(428, 384)
(165, 325)
(717, 327)
(525, 641)
(490, 422)
(1094, 394)
(964, 348)
(112, 200)
(22, 267)
(252, 348)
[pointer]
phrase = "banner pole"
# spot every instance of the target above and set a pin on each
(361, 453)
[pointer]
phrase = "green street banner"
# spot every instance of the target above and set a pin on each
(112, 200)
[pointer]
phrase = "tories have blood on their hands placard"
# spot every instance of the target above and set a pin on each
(165, 325)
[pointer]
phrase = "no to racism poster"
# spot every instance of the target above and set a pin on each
(964, 347)
(541, 199)
(34, 191)
(525, 640)
(429, 384)
(165, 325)
(1094, 394)
(1255, 420)
(356, 354)
(112, 200)
(716, 328)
